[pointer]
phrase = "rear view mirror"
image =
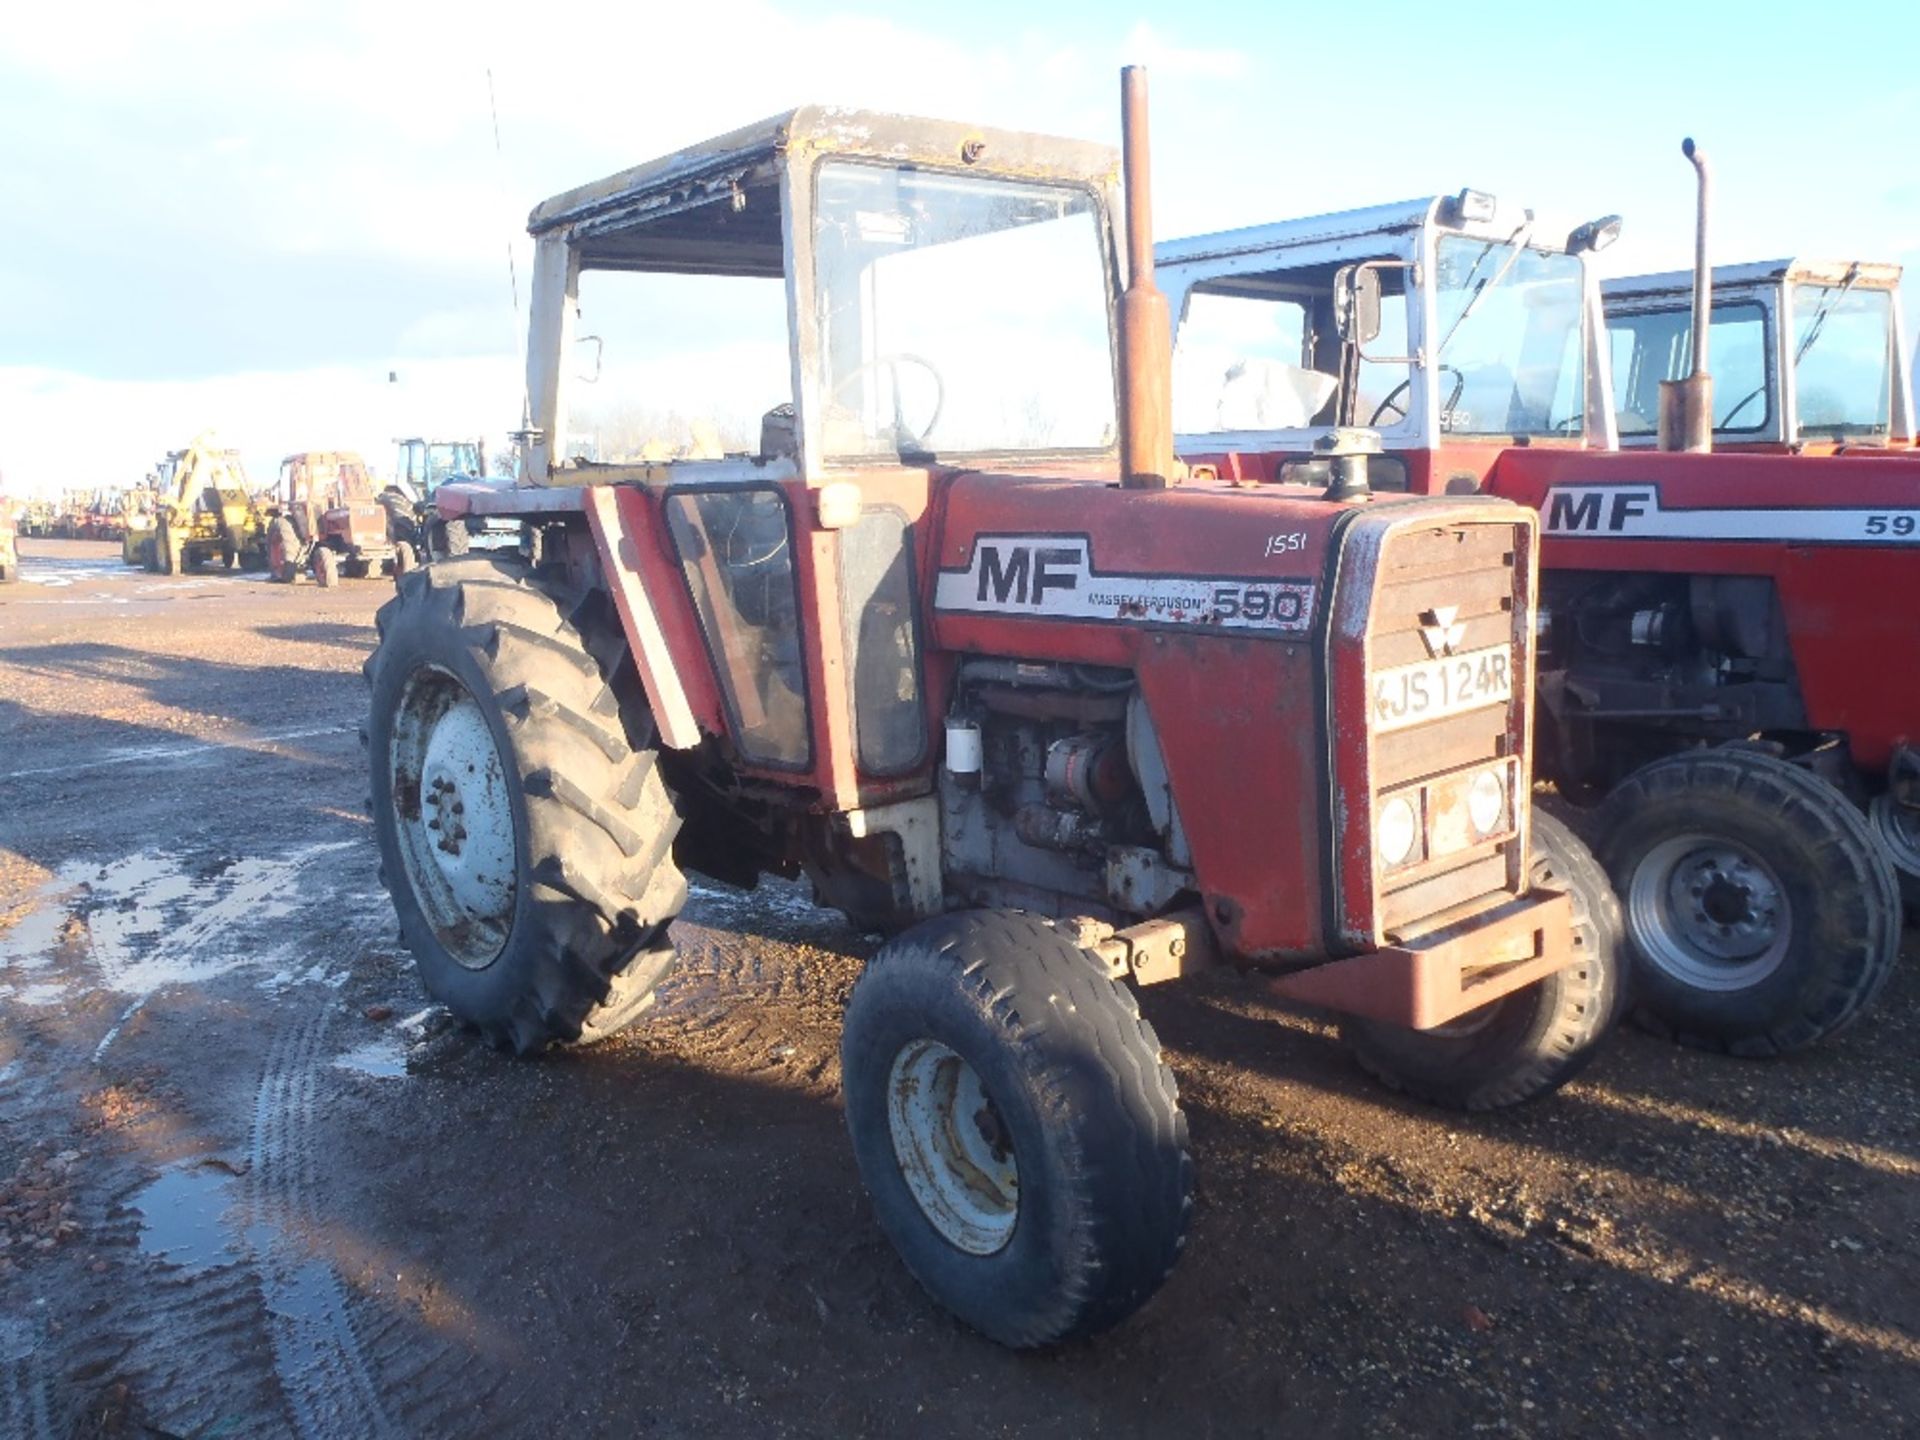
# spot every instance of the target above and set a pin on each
(1357, 304)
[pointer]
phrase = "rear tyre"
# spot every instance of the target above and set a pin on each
(1762, 915)
(326, 567)
(525, 831)
(451, 538)
(167, 551)
(1015, 1126)
(283, 551)
(1898, 829)
(1534, 1040)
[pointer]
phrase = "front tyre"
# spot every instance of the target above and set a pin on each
(1762, 914)
(1015, 1126)
(1534, 1040)
(525, 831)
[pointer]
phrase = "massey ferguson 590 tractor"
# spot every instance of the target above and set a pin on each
(1723, 638)
(951, 644)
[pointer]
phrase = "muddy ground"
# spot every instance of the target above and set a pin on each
(251, 1184)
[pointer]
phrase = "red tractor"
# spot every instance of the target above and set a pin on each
(953, 643)
(1717, 632)
(329, 518)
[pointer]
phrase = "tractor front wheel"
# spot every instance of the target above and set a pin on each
(1762, 914)
(1534, 1040)
(326, 567)
(1015, 1126)
(525, 830)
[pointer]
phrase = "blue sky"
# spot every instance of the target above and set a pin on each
(244, 213)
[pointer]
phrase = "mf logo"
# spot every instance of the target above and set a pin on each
(1599, 509)
(1025, 573)
(1441, 630)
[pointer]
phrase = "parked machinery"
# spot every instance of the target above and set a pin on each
(203, 513)
(1809, 356)
(9, 549)
(328, 518)
(994, 684)
(421, 467)
(1714, 627)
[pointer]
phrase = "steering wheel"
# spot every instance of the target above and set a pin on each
(904, 438)
(1725, 422)
(1405, 387)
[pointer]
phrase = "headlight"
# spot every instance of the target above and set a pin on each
(1487, 802)
(1397, 830)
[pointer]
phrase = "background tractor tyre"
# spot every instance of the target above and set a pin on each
(326, 567)
(451, 538)
(1014, 1124)
(403, 558)
(8, 572)
(283, 551)
(168, 551)
(1898, 829)
(1762, 915)
(525, 830)
(1534, 1040)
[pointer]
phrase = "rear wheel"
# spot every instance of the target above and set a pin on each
(525, 831)
(1762, 914)
(283, 551)
(326, 567)
(1015, 1126)
(1534, 1040)
(1898, 829)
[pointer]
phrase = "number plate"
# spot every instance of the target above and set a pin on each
(1433, 689)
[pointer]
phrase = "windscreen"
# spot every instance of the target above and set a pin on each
(1511, 354)
(1843, 360)
(959, 315)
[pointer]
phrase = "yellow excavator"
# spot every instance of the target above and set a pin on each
(203, 513)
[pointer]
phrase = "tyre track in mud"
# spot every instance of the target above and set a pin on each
(26, 1410)
(318, 1355)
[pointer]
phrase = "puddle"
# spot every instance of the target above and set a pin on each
(183, 1216)
(384, 1057)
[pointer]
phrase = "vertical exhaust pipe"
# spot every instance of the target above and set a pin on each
(1146, 333)
(1686, 406)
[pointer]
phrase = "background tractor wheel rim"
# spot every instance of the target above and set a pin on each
(1709, 912)
(1899, 830)
(953, 1149)
(454, 817)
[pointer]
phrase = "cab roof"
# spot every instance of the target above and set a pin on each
(1874, 275)
(714, 208)
(1397, 218)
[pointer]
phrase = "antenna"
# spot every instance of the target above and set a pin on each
(513, 274)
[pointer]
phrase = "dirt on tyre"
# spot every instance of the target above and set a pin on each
(1762, 914)
(1015, 1125)
(1534, 1040)
(525, 830)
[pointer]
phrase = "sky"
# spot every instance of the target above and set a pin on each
(290, 222)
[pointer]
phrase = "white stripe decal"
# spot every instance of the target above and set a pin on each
(1634, 512)
(1053, 577)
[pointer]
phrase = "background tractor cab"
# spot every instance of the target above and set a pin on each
(330, 520)
(1808, 355)
(1455, 326)
(421, 467)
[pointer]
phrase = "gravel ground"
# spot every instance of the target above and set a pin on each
(251, 1183)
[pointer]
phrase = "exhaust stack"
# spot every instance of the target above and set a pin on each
(1686, 406)
(1146, 333)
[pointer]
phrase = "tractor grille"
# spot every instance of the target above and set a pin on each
(1449, 661)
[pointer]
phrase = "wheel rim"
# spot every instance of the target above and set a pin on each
(1709, 912)
(1899, 830)
(453, 816)
(953, 1148)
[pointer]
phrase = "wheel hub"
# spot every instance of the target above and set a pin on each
(953, 1148)
(1709, 912)
(454, 817)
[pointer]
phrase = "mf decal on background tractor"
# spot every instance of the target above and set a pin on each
(1718, 634)
(953, 643)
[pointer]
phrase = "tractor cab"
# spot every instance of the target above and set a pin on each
(1455, 326)
(421, 466)
(1808, 355)
(327, 492)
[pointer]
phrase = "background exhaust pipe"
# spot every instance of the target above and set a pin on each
(1146, 333)
(1686, 406)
